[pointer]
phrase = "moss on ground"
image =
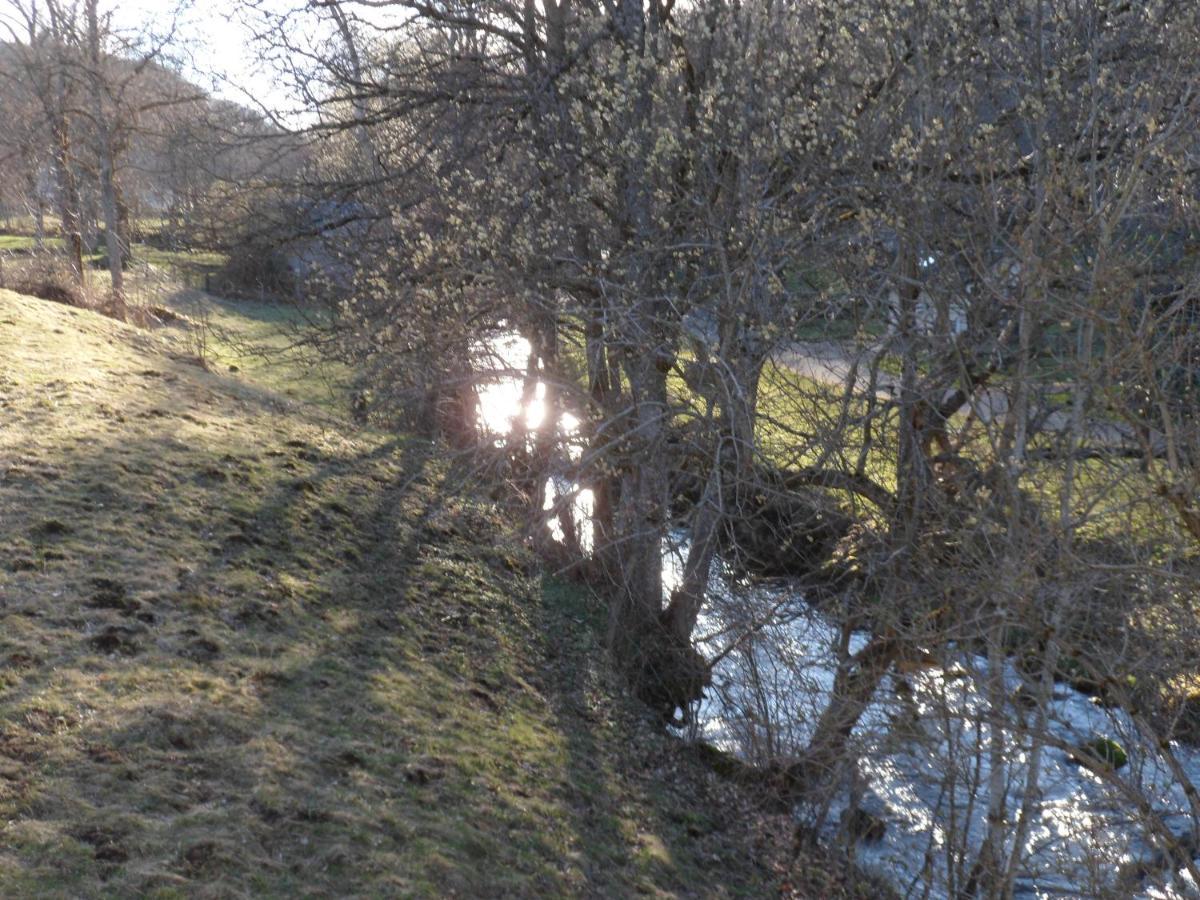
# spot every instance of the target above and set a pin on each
(249, 652)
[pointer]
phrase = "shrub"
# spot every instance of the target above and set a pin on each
(48, 277)
(254, 269)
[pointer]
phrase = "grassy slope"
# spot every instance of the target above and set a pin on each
(263, 341)
(259, 339)
(247, 653)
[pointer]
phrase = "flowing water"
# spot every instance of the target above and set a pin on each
(924, 744)
(924, 740)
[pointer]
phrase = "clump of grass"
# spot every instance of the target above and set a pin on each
(1105, 751)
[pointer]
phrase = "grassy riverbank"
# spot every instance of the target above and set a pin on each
(248, 650)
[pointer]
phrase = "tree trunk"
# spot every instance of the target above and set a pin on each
(68, 198)
(68, 193)
(688, 599)
(854, 686)
(731, 478)
(124, 225)
(912, 469)
(986, 875)
(642, 514)
(113, 243)
(602, 392)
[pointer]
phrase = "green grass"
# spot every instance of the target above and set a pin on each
(248, 651)
(839, 329)
(189, 265)
(199, 260)
(264, 342)
(16, 242)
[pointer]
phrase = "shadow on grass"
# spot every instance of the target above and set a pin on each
(276, 670)
(243, 654)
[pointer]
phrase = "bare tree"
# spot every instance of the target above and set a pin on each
(995, 198)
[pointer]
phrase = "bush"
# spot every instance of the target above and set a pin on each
(254, 269)
(48, 277)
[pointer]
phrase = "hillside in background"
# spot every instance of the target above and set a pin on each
(249, 650)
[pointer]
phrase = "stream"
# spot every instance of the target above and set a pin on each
(924, 745)
(924, 740)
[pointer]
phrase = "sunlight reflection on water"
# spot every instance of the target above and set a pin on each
(503, 364)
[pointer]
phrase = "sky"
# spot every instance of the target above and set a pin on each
(217, 44)
(216, 48)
